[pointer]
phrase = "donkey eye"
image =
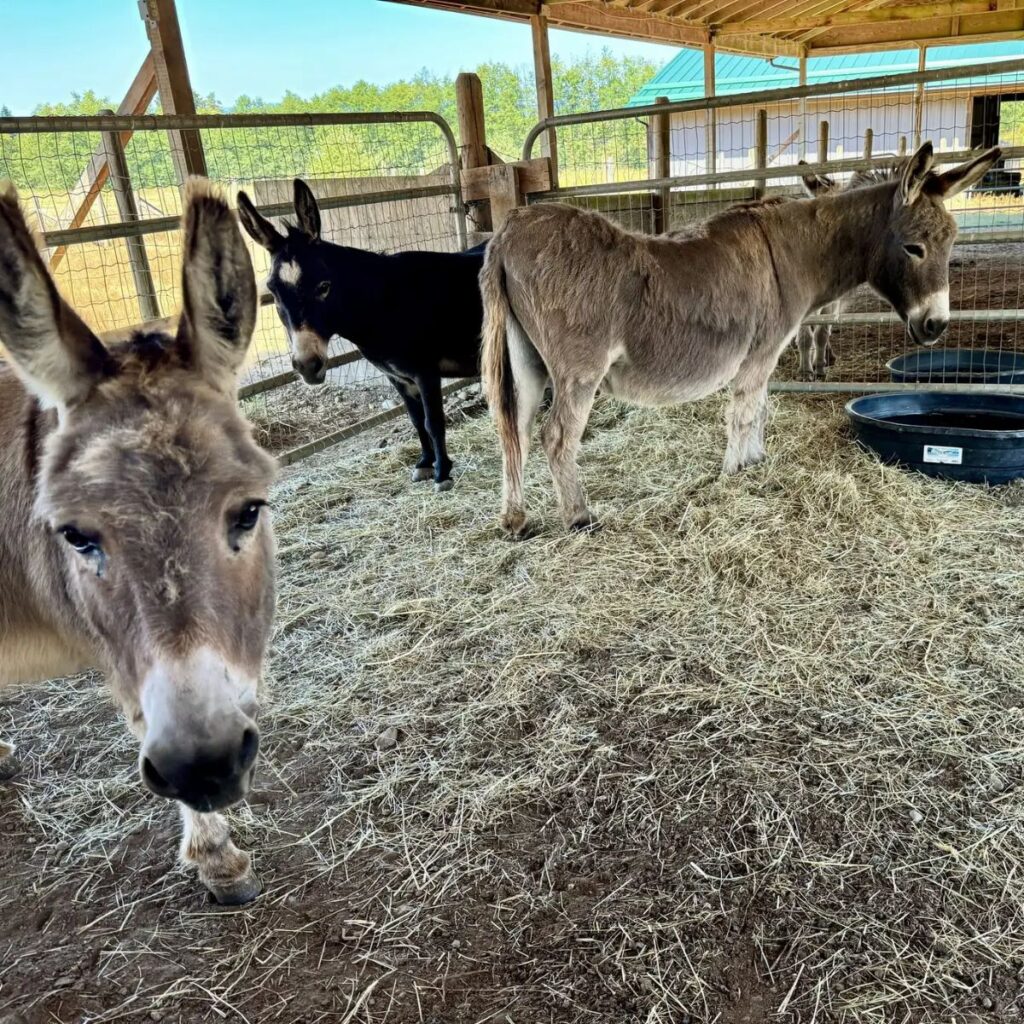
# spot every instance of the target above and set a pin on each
(81, 542)
(915, 250)
(249, 516)
(323, 289)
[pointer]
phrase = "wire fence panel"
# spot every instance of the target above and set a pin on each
(107, 201)
(665, 167)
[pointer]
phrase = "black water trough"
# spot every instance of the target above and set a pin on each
(974, 437)
(957, 366)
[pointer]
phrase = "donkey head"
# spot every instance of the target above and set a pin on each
(151, 489)
(299, 280)
(911, 266)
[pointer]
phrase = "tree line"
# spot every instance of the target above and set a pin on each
(52, 162)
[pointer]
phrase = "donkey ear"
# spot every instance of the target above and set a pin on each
(953, 182)
(58, 357)
(914, 173)
(218, 288)
(815, 184)
(257, 227)
(306, 209)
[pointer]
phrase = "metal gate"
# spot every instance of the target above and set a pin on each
(105, 194)
(659, 167)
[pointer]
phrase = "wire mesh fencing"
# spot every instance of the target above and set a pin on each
(666, 167)
(105, 195)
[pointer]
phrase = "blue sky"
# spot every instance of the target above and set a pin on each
(52, 48)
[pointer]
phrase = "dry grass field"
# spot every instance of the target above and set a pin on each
(752, 754)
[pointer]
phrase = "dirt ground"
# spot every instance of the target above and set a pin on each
(752, 753)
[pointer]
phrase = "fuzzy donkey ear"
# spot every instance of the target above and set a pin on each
(218, 288)
(49, 345)
(954, 182)
(257, 227)
(307, 210)
(914, 173)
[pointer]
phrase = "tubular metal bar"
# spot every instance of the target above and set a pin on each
(990, 316)
(749, 173)
(859, 388)
(765, 98)
(305, 450)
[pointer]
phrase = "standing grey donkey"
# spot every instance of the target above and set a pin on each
(574, 300)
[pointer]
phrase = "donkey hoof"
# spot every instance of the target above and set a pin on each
(422, 473)
(585, 524)
(516, 526)
(444, 485)
(236, 894)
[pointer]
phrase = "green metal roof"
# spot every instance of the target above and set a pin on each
(683, 77)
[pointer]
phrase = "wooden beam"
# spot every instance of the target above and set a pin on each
(503, 180)
(802, 80)
(161, 18)
(545, 89)
(711, 116)
(89, 185)
(996, 26)
(662, 167)
(878, 15)
(919, 97)
(120, 181)
(533, 176)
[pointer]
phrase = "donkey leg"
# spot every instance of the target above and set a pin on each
(805, 343)
(748, 412)
(823, 358)
(223, 868)
(424, 468)
(561, 436)
(433, 405)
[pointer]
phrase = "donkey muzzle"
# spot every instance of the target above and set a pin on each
(309, 356)
(927, 322)
(201, 740)
(206, 778)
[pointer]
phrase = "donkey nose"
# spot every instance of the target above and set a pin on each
(934, 326)
(310, 369)
(205, 778)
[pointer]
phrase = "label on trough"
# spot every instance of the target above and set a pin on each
(943, 453)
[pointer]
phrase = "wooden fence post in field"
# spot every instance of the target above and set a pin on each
(469, 101)
(822, 142)
(545, 90)
(869, 141)
(902, 151)
(503, 185)
(662, 200)
(760, 151)
(120, 182)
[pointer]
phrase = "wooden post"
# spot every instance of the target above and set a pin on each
(161, 18)
(545, 90)
(760, 150)
(803, 106)
(120, 182)
(902, 151)
(869, 141)
(662, 167)
(503, 185)
(469, 102)
(710, 116)
(822, 142)
(919, 98)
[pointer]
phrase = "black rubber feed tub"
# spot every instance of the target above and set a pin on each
(974, 437)
(957, 366)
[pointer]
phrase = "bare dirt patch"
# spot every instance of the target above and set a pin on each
(753, 753)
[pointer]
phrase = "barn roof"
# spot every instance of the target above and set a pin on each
(791, 28)
(683, 77)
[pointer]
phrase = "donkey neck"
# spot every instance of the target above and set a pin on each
(357, 280)
(831, 243)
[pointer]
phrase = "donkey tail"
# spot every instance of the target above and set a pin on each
(499, 383)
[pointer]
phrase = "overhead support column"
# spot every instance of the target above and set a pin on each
(919, 98)
(161, 18)
(710, 116)
(803, 105)
(545, 90)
